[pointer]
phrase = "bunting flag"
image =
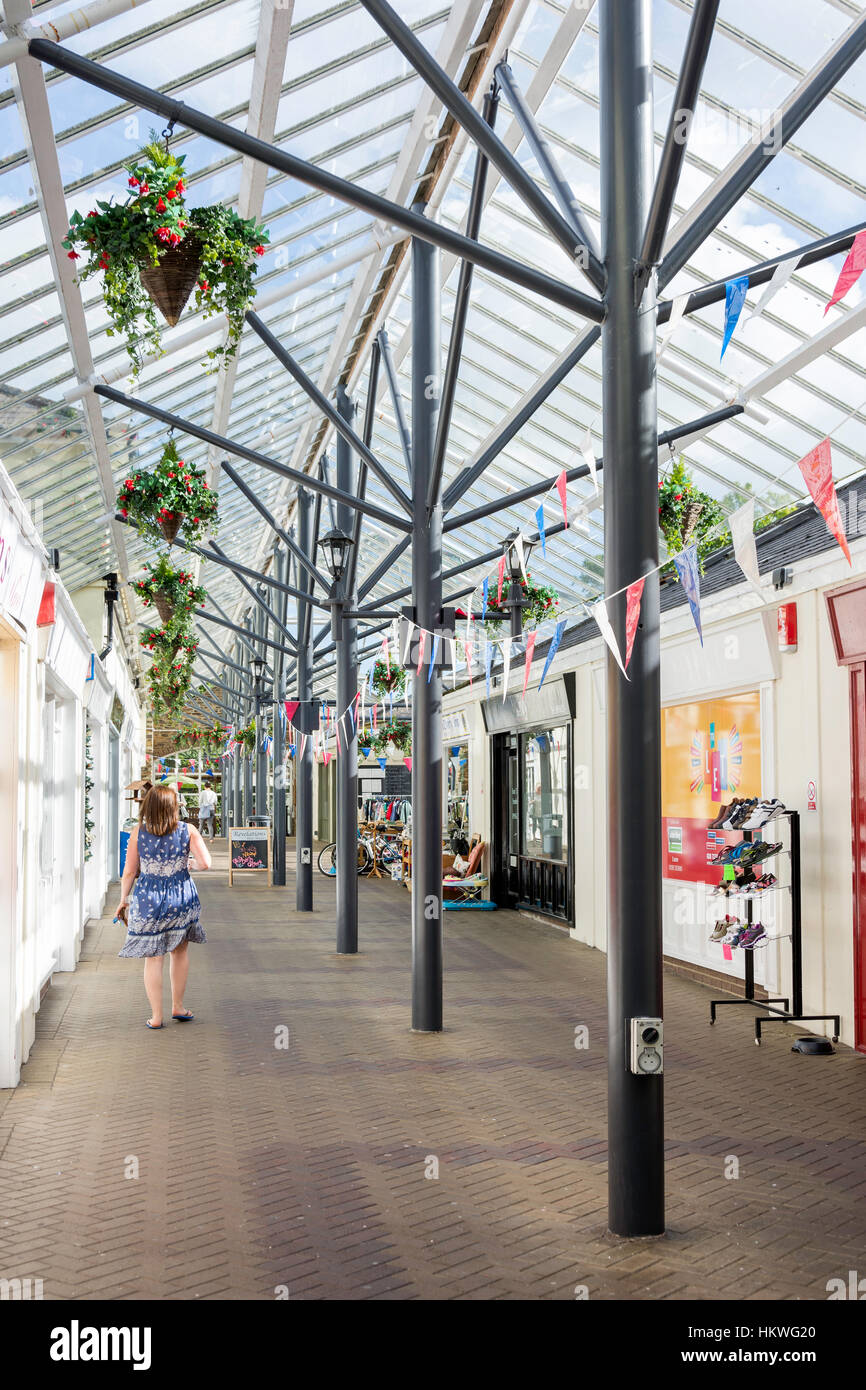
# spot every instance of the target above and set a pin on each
(781, 275)
(337, 733)
(386, 650)
(587, 453)
(539, 521)
(735, 298)
(452, 642)
(634, 594)
(488, 661)
(530, 648)
(302, 745)
(506, 665)
(552, 649)
(422, 645)
(855, 264)
(468, 649)
(742, 524)
(383, 763)
(500, 577)
(687, 568)
(667, 331)
(408, 762)
(599, 612)
(434, 648)
(375, 723)
(484, 589)
(521, 556)
(366, 752)
(561, 487)
(410, 628)
(291, 750)
(817, 470)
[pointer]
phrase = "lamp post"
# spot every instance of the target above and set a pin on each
(260, 763)
(514, 602)
(336, 547)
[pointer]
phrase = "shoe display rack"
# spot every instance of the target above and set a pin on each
(773, 1014)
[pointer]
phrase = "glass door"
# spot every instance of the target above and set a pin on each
(544, 878)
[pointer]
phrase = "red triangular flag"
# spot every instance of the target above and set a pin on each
(855, 264)
(530, 648)
(291, 709)
(561, 485)
(423, 644)
(817, 470)
(408, 762)
(634, 593)
(501, 577)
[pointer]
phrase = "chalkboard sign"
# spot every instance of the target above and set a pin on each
(250, 850)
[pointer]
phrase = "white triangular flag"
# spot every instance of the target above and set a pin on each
(587, 453)
(453, 643)
(678, 307)
(506, 664)
(518, 541)
(410, 631)
(742, 524)
(599, 612)
(781, 275)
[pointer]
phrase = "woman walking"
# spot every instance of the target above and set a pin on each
(163, 910)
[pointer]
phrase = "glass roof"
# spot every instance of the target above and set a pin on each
(350, 103)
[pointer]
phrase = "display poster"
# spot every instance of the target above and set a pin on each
(249, 849)
(711, 753)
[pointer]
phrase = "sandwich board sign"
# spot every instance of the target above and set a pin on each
(250, 851)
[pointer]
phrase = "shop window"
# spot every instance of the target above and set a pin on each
(544, 756)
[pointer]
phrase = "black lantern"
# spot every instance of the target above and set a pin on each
(258, 666)
(336, 546)
(512, 556)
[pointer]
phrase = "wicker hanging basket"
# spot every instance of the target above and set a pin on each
(691, 517)
(171, 283)
(164, 606)
(170, 525)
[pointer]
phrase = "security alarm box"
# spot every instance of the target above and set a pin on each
(646, 1046)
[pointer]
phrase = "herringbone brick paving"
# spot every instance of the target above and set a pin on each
(208, 1161)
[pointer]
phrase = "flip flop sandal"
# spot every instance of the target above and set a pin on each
(153, 1026)
(183, 1018)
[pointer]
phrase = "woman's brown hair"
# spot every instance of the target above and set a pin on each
(160, 812)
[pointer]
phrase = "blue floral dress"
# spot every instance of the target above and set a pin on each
(164, 908)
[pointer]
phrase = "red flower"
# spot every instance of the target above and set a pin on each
(259, 250)
(172, 193)
(145, 188)
(203, 286)
(92, 214)
(174, 238)
(73, 255)
(679, 497)
(163, 233)
(180, 186)
(160, 206)
(123, 511)
(133, 182)
(181, 224)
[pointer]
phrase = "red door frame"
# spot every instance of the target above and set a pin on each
(846, 609)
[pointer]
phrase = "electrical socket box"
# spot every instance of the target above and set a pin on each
(306, 854)
(646, 1046)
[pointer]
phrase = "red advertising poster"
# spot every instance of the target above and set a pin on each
(711, 753)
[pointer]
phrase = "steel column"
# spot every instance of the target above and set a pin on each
(427, 695)
(304, 761)
(635, 1103)
(347, 685)
(278, 775)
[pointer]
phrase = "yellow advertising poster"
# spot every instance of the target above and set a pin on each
(711, 753)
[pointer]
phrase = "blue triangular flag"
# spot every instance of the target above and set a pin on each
(291, 750)
(433, 650)
(383, 763)
(366, 752)
(539, 520)
(735, 298)
(687, 569)
(552, 649)
(484, 587)
(488, 662)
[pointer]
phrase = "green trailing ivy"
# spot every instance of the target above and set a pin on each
(398, 734)
(169, 681)
(174, 639)
(120, 239)
(174, 489)
(247, 738)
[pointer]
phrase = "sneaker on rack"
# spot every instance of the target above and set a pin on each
(716, 824)
(734, 935)
(754, 935)
(764, 811)
(743, 813)
(720, 931)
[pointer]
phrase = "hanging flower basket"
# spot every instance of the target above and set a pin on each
(399, 736)
(687, 515)
(388, 680)
(171, 282)
(540, 602)
(170, 590)
(247, 739)
(153, 252)
(174, 495)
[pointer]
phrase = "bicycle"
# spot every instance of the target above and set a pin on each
(369, 854)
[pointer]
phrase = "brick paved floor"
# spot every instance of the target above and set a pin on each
(304, 1166)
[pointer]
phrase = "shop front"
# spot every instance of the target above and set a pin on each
(531, 780)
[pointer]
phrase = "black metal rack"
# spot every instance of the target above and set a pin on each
(773, 1014)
